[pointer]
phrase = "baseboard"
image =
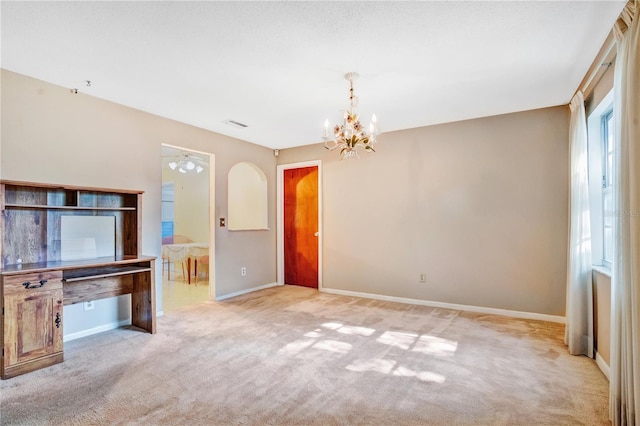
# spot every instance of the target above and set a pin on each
(603, 365)
(469, 308)
(245, 291)
(96, 330)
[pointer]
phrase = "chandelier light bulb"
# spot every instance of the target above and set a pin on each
(188, 164)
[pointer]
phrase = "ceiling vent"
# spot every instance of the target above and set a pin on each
(235, 124)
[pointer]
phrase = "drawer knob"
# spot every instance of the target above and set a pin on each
(58, 320)
(29, 285)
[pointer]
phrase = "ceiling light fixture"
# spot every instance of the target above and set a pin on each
(188, 164)
(350, 136)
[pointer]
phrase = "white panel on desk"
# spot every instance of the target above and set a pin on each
(87, 237)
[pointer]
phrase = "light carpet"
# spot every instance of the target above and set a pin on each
(290, 355)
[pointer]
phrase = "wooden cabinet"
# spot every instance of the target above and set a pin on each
(32, 306)
(36, 279)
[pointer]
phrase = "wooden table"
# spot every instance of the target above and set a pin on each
(185, 252)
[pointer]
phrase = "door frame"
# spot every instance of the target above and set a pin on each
(280, 214)
(212, 221)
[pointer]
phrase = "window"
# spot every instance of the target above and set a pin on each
(167, 209)
(600, 129)
(607, 187)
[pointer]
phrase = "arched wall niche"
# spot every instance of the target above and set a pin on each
(247, 198)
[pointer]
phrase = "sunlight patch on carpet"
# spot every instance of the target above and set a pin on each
(361, 331)
(332, 325)
(391, 367)
(425, 344)
(333, 346)
(432, 345)
(398, 339)
(297, 346)
(383, 366)
(425, 376)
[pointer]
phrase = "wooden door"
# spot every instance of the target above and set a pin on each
(32, 325)
(300, 197)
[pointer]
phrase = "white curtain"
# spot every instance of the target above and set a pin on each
(579, 313)
(625, 303)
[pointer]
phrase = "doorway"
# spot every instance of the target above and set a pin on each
(299, 224)
(188, 201)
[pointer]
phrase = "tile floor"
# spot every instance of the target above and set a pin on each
(177, 293)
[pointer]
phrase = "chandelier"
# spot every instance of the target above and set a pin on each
(188, 164)
(350, 136)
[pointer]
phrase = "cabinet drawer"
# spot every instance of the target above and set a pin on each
(16, 283)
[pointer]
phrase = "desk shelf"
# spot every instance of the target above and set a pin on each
(44, 207)
(104, 272)
(33, 213)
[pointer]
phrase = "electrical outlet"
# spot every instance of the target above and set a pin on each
(243, 271)
(423, 277)
(89, 305)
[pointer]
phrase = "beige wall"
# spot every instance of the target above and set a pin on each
(51, 135)
(191, 203)
(602, 315)
(600, 90)
(480, 206)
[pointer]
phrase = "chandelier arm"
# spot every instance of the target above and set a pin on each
(331, 144)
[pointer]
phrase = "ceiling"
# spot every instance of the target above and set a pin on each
(279, 67)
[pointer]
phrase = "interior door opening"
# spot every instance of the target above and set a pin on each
(188, 263)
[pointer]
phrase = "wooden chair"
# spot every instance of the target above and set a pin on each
(203, 260)
(167, 259)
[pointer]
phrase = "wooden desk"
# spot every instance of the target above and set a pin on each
(33, 296)
(35, 282)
